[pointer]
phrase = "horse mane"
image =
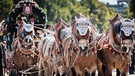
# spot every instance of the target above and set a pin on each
(114, 24)
(74, 22)
(59, 26)
(117, 28)
(92, 28)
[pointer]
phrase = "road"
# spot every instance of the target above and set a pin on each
(114, 73)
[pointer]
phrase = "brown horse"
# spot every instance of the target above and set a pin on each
(79, 49)
(51, 54)
(114, 47)
(24, 49)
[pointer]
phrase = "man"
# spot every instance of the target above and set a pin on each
(18, 25)
(8, 40)
(33, 22)
(2, 59)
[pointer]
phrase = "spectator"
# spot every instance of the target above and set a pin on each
(33, 22)
(18, 25)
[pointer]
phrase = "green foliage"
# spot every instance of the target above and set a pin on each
(37, 11)
(132, 8)
(40, 3)
(99, 13)
(127, 13)
(16, 1)
(5, 8)
(68, 9)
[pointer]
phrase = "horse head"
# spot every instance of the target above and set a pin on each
(126, 33)
(82, 33)
(27, 35)
(123, 30)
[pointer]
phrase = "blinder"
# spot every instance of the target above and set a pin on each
(126, 34)
(82, 29)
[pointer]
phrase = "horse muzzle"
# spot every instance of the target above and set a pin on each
(127, 44)
(83, 44)
(28, 40)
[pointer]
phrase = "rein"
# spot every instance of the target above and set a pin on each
(78, 49)
(22, 48)
(26, 71)
(118, 48)
(45, 30)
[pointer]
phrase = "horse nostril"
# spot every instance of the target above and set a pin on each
(28, 40)
(124, 48)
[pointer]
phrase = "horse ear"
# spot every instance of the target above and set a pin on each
(116, 18)
(76, 19)
(133, 21)
(122, 21)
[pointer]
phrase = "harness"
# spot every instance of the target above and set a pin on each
(77, 51)
(23, 50)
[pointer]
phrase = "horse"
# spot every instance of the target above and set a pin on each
(79, 49)
(24, 48)
(2, 59)
(84, 54)
(51, 54)
(114, 47)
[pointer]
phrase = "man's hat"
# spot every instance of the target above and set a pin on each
(19, 18)
(31, 16)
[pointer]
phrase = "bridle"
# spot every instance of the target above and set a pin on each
(123, 43)
(88, 41)
(21, 45)
(127, 31)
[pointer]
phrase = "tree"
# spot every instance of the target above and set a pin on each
(127, 13)
(99, 13)
(132, 7)
(5, 8)
(68, 9)
(65, 9)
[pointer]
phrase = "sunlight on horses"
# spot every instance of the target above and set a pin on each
(24, 49)
(115, 46)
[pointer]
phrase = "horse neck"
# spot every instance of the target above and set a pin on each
(93, 33)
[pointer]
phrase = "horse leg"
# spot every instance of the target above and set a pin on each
(108, 71)
(70, 70)
(18, 69)
(46, 71)
(117, 72)
(124, 70)
(99, 68)
(73, 72)
(40, 67)
(123, 73)
(86, 73)
(79, 73)
(93, 73)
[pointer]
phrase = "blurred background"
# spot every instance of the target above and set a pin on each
(99, 11)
